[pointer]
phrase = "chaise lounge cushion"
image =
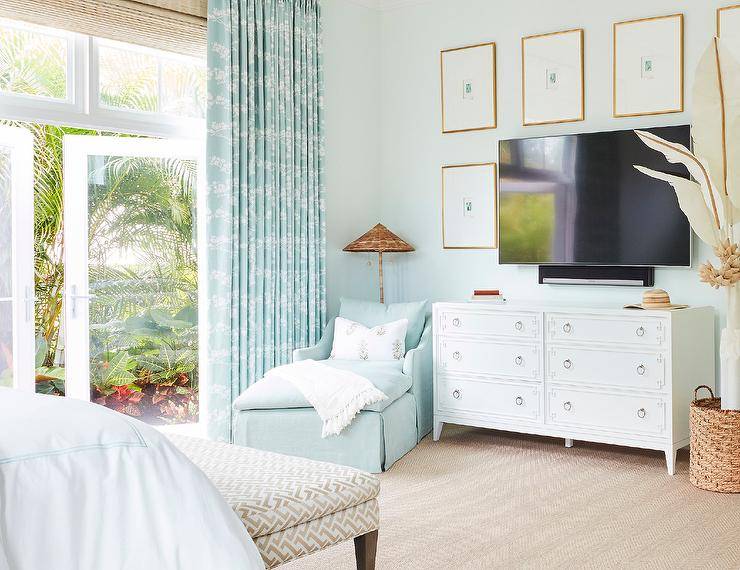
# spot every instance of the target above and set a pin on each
(372, 314)
(277, 393)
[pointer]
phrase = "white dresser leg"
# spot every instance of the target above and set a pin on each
(670, 460)
(568, 442)
(437, 430)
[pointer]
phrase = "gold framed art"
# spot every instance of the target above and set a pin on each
(553, 81)
(729, 17)
(647, 66)
(469, 203)
(468, 88)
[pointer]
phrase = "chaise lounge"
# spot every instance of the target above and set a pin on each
(275, 416)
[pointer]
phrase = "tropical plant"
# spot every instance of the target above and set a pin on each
(711, 201)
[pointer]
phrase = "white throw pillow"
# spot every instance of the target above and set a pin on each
(353, 341)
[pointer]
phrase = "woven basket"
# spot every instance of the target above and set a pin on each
(715, 445)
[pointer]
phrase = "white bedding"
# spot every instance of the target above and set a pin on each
(83, 487)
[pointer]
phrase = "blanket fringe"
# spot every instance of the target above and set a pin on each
(339, 421)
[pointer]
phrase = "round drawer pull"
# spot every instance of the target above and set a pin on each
(567, 364)
(567, 328)
(456, 355)
(567, 406)
(519, 325)
(641, 413)
(456, 322)
(456, 394)
(519, 360)
(640, 331)
(641, 369)
(519, 401)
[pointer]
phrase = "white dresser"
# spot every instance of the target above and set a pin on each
(617, 376)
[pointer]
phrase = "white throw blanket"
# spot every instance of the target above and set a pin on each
(337, 395)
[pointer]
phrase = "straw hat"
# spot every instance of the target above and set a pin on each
(655, 299)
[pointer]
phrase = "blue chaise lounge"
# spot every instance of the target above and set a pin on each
(275, 416)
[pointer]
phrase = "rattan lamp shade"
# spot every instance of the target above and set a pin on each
(379, 240)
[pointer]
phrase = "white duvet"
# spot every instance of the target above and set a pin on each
(83, 487)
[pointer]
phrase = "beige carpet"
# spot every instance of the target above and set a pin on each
(484, 499)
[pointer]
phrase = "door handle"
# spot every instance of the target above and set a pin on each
(73, 297)
(29, 299)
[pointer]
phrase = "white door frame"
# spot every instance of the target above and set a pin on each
(77, 148)
(20, 143)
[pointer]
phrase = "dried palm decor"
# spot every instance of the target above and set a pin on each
(379, 240)
(711, 202)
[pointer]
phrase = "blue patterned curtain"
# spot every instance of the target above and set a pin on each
(266, 229)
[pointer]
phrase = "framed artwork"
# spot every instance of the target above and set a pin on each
(728, 28)
(648, 66)
(552, 78)
(469, 206)
(468, 77)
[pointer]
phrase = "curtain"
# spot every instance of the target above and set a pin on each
(265, 204)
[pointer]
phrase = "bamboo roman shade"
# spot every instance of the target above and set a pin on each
(174, 25)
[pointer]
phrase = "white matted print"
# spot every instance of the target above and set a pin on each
(552, 78)
(728, 28)
(648, 66)
(469, 206)
(468, 88)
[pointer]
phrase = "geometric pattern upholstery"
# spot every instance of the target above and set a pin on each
(297, 541)
(291, 506)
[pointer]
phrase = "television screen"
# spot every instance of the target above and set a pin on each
(577, 199)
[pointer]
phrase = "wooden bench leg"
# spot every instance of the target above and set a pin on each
(366, 546)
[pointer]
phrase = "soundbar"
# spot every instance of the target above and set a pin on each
(596, 275)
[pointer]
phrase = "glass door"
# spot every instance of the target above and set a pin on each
(131, 272)
(16, 259)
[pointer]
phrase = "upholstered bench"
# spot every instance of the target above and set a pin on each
(292, 506)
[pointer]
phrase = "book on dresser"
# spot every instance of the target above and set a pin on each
(605, 375)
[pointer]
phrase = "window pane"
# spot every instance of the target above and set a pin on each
(145, 81)
(128, 79)
(33, 63)
(6, 266)
(6, 227)
(183, 89)
(143, 279)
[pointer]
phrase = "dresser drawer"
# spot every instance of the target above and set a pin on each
(489, 358)
(523, 401)
(648, 332)
(626, 413)
(642, 370)
(515, 325)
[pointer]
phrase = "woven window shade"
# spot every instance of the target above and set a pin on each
(174, 25)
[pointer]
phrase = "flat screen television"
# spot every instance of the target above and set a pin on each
(576, 199)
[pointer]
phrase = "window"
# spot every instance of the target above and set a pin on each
(69, 79)
(34, 63)
(144, 80)
(117, 161)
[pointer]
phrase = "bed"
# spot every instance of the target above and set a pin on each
(292, 506)
(83, 487)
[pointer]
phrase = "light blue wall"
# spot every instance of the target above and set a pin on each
(413, 148)
(352, 121)
(385, 148)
